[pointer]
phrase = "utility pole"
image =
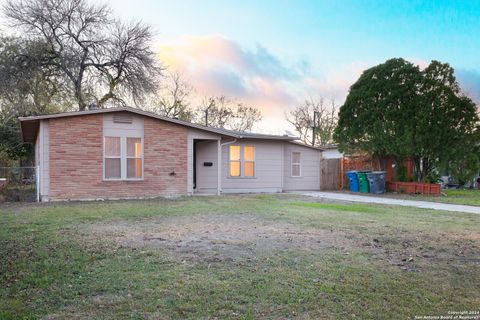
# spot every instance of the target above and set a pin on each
(314, 127)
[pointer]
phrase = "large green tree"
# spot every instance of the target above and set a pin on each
(397, 109)
(28, 86)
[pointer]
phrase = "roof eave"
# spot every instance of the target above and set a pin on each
(222, 132)
(29, 130)
(128, 109)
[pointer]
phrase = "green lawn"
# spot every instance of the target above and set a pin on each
(469, 197)
(466, 197)
(235, 257)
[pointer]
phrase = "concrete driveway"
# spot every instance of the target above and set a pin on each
(390, 201)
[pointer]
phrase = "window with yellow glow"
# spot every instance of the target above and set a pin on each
(134, 158)
(242, 161)
(235, 161)
(249, 161)
(123, 158)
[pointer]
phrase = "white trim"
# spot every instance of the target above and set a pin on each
(299, 164)
(230, 160)
(249, 161)
(123, 159)
(37, 177)
(242, 161)
(127, 157)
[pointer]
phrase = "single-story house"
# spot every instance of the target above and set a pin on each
(129, 153)
(331, 152)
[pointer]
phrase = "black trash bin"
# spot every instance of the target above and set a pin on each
(376, 180)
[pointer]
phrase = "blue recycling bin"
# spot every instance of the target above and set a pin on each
(353, 179)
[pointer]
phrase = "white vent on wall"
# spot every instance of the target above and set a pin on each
(122, 118)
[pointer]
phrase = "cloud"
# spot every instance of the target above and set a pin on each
(335, 83)
(216, 65)
(470, 83)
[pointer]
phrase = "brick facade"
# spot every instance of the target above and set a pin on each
(76, 160)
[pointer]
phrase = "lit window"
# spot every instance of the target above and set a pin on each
(296, 169)
(134, 158)
(249, 161)
(235, 161)
(112, 158)
(123, 158)
(239, 160)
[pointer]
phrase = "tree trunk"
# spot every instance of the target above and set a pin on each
(416, 164)
(79, 96)
(381, 161)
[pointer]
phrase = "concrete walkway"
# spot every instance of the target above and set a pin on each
(391, 201)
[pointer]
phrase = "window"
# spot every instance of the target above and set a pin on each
(242, 161)
(134, 158)
(296, 167)
(249, 161)
(112, 158)
(235, 161)
(123, 158)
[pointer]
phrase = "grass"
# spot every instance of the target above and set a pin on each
(468, 197)
(465, 197)
(324, 260)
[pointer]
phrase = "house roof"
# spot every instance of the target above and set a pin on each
(30, 124)
(329, 146)
(306, 145)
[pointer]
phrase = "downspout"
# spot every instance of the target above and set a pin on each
(219, 161)
(282, 183)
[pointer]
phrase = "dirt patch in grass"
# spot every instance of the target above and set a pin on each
(216, 237)
(419, 252)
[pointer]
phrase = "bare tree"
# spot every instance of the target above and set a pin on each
(173, 98)
(314, 121)
(245, 117)
(215, 112)
(102, 59)
(222, 112)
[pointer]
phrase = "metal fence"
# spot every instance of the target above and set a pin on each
(19, 184)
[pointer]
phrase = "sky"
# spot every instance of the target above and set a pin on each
(275, 54)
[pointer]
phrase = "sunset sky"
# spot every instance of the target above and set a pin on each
(274, 54)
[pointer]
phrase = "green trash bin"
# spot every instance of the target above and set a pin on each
(363, 183)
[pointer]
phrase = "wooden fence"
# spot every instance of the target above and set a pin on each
(331, 172)
(414, 188)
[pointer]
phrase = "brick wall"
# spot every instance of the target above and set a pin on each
(76, 160)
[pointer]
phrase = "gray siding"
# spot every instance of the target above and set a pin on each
(195, 134)
(309, 168)
(207, 177)
(134, 129)
(268, 168)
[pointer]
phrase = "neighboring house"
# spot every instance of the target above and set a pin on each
(129, 153)
(331, 152)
